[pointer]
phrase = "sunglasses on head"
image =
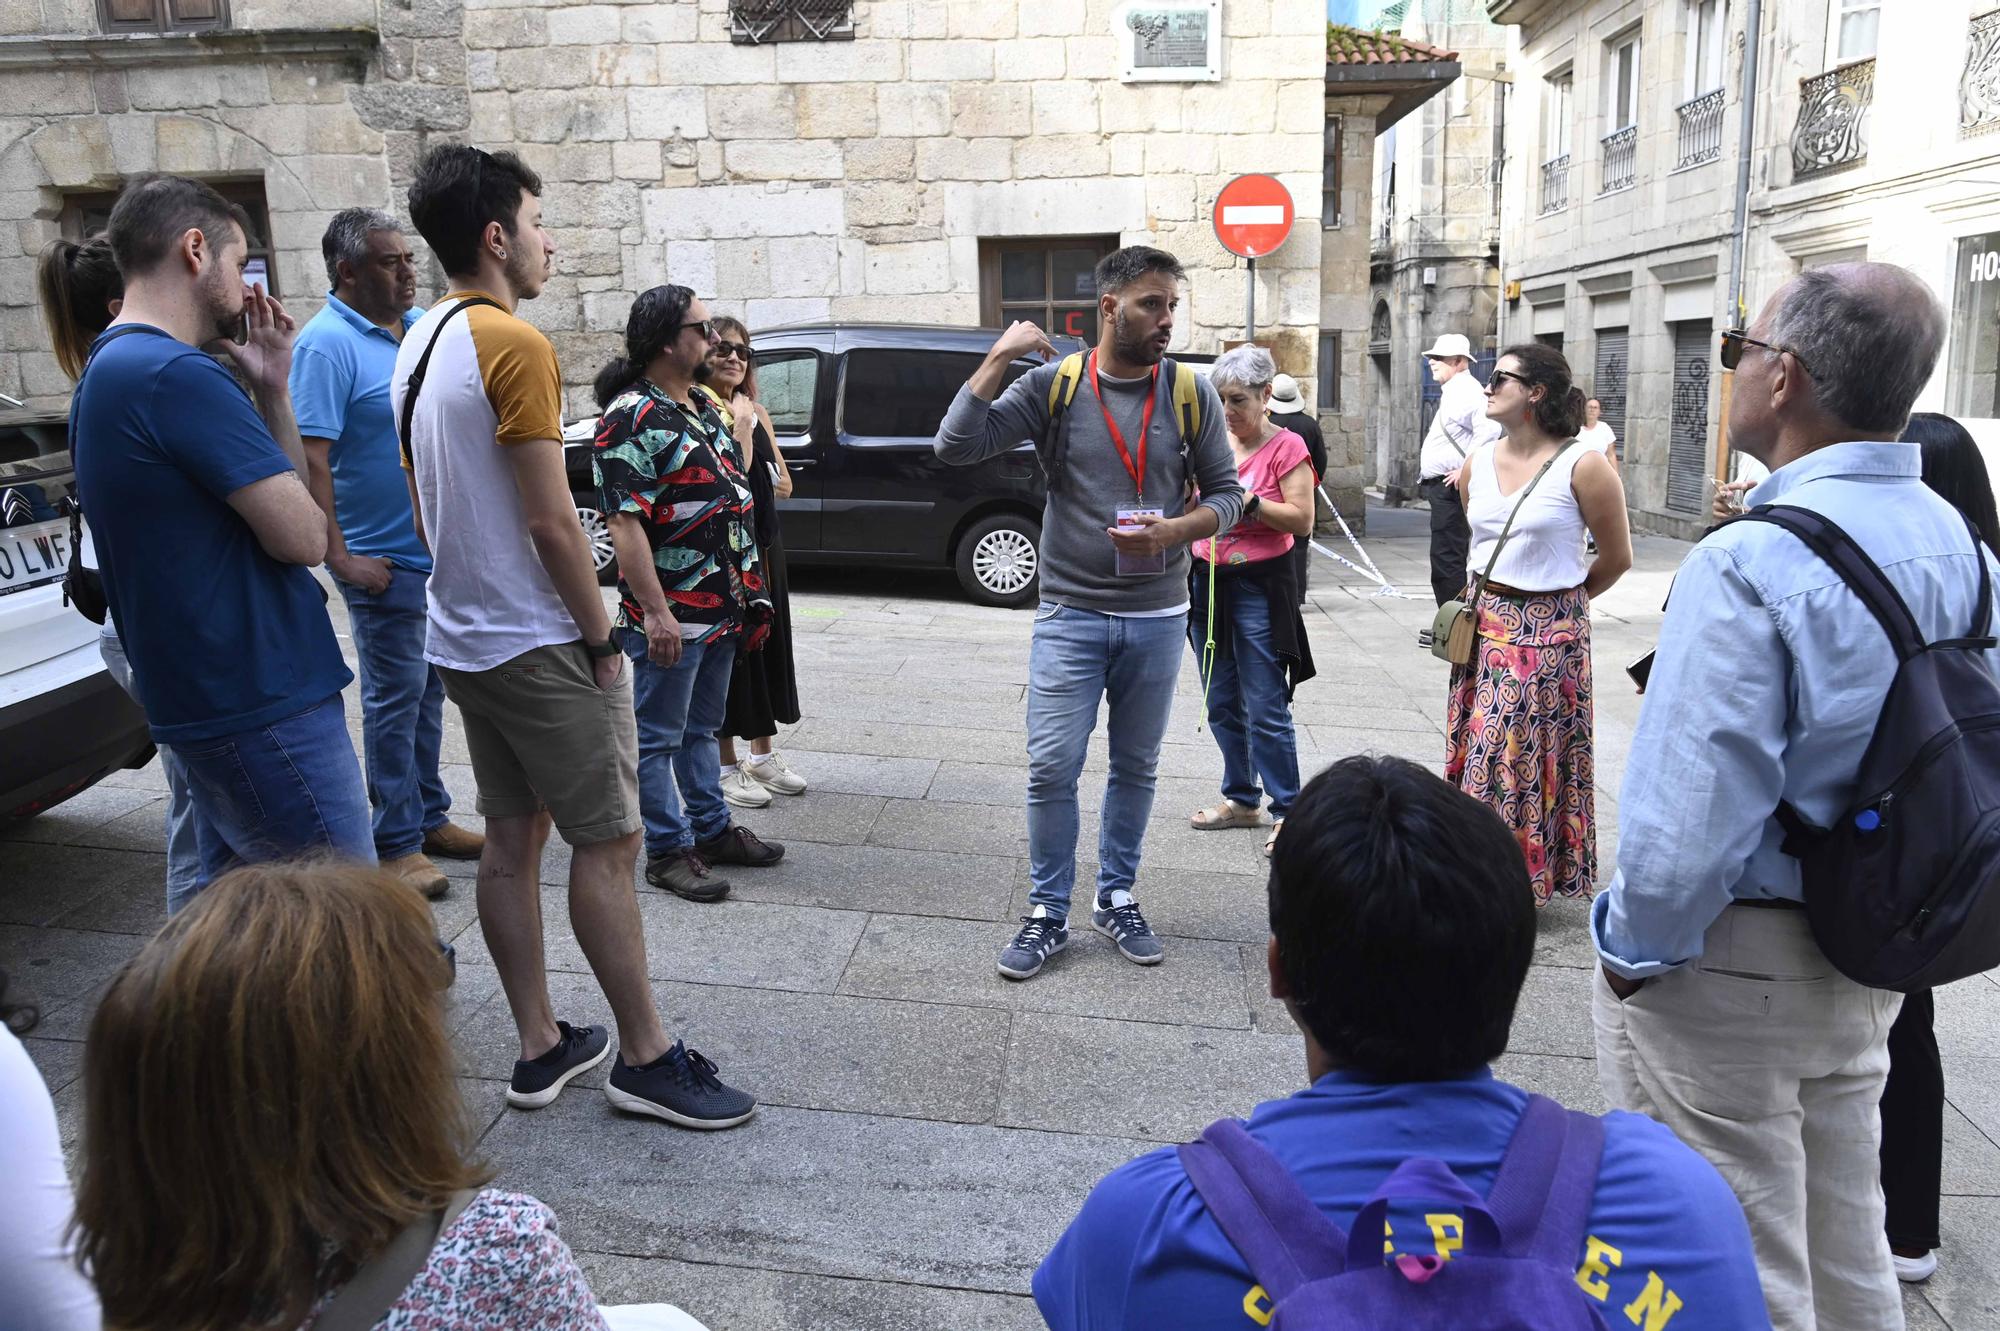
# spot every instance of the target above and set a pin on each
(731, 351)
(1734, 340)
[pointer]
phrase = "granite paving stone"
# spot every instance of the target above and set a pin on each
(1183, 903)
(807, 1190)
(739, 1298)
(823, 817)
(59, 1061)
(39, 883)
(1966, 1289)
(1140, 1079)
(857, 774)
(951, 961)
(885, 878)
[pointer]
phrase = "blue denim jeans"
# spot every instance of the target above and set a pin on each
(183, 855)
(1078, 657)
(1248, 712)
(679, 709)
(286, 789)
(402, 712)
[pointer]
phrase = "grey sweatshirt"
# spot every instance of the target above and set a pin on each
(1079, 562)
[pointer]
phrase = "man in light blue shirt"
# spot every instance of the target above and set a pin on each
(1718, 1014)
(341, 367)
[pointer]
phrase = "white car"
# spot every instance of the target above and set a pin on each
(64, 723)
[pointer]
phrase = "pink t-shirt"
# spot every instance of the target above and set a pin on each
(1250, 540)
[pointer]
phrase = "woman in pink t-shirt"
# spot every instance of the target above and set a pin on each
(1260, 639)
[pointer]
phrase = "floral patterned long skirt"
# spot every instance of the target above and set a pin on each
(1519, 722)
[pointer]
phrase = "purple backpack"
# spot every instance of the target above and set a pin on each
(1516, 1272)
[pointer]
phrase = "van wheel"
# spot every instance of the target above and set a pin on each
(999, 560)
(598, 532)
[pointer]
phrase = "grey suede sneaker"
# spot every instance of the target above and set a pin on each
(1041, 937)
(1122, 923)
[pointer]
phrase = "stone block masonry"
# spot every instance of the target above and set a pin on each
(848, 179)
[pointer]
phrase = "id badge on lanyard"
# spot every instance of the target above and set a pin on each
(1133, 564)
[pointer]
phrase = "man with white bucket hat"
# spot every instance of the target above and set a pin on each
(1459, 426)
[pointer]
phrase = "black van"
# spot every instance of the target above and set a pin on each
(855, 407)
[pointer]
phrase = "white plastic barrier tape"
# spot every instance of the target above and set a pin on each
(1382, 584)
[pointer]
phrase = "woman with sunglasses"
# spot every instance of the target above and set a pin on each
(763, 691)
(1519, 717)
(274, 1136)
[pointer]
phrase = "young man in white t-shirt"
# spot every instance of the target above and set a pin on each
(522, 642)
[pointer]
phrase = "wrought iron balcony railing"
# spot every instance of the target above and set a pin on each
(1621, 159)
(752, 22)
(1555, 185)
(1979, 85)
(1701, 130)
(1833, 119)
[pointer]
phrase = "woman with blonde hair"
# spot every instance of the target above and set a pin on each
(274, 1138)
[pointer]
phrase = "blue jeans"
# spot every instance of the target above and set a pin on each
(183, 855)
(1248, 711)
(286, 789)
(1078, 657)
(402, 712)
(679, 709)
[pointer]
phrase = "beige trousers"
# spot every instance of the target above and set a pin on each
(1768, 1061)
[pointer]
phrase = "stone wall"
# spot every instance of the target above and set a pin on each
(848, 180)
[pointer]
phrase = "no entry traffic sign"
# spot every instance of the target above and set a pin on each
(1253, 215)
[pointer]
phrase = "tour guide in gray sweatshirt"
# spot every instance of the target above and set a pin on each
(1099, 632)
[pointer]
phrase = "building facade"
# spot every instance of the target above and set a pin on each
(898, 160)
(1620, 197)
(1435, 250)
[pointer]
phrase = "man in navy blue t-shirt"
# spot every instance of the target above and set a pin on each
(204, 531)
(1402, 929)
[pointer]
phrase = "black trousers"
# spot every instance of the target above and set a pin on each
(1913, 1127)
(1451, 539)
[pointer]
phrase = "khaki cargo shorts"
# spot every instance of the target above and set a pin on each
(544, 736)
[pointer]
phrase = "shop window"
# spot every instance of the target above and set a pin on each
(1972, 375)
(162, 15)
(87, 214)
(1053, 282)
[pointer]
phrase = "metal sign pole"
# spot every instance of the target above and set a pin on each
(1250, 303)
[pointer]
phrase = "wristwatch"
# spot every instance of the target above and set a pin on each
(601, 650)
(1252, 504)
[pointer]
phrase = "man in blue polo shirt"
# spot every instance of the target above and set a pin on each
(205, 533)
(341, 368)
(1402, 929)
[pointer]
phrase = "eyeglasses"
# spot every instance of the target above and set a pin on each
(1499, 376)
(1736, 339)
(732, 351)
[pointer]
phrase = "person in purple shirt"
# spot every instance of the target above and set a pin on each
(1402, 928)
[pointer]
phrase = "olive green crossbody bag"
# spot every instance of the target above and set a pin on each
(1456, 627)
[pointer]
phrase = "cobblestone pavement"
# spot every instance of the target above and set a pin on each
(929, 1128)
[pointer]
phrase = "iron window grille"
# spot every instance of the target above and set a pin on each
(755, 22)
(1701, 130)
(1832, 129)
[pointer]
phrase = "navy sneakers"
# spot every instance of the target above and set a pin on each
(538, 1081)
(1041, 937)
(1122, 923)
(681, 1087)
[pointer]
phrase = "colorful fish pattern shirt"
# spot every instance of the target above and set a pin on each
(676, 468)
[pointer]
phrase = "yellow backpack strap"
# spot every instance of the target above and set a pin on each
(1062, 388)
(1187, 403)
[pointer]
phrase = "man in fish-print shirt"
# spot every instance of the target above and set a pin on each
(672, 483)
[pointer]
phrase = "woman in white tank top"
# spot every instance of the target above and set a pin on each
(1519, 718)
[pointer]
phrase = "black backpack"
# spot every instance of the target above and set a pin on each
(1903, 891)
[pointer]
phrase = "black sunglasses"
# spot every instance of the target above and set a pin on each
(707, 327)
(1499, 375)
(732, 351)
(1735, 339)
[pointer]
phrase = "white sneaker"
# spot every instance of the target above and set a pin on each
(1914, 1270)
(772, 773)
(740, 789)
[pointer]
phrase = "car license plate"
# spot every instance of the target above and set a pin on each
(33, 555)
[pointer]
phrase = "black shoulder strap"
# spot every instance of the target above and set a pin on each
(1861, 574)
(415, 383)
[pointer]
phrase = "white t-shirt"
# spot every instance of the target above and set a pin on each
(1545, 549)
(492, 383)
(40, 1286)
(1460, 427)
(1599, 437)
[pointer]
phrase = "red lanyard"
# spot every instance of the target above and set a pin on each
(1137, 471)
